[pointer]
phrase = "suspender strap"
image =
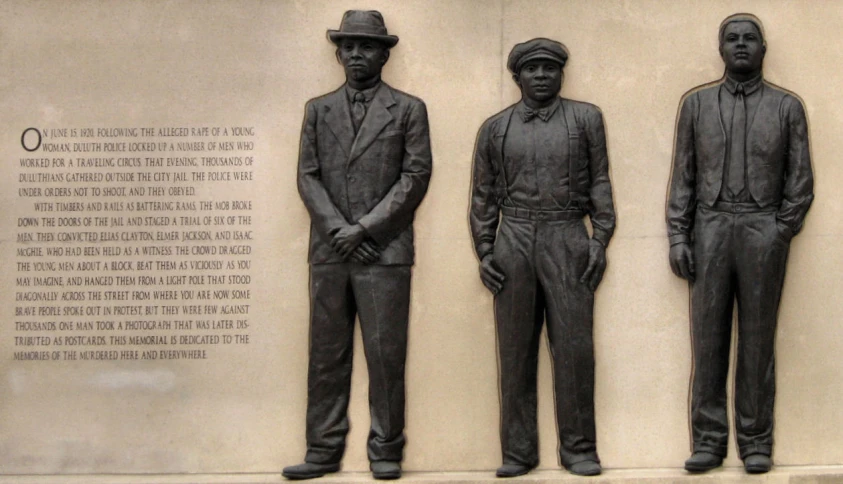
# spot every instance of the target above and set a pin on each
(501, 133)
(573, 148)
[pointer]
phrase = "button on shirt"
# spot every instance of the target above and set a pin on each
(536, 158)
(728, 96)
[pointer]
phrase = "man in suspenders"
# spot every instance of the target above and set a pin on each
(539, 167)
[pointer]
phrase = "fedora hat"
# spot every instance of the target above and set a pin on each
(362, 24)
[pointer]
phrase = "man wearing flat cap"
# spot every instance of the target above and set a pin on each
(741, 186)
(364, 167)
(541, 166)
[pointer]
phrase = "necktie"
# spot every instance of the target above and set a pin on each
(358, 110)
(737, 154)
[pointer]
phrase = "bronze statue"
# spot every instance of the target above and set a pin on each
(741, 186)
(540, 166)
(364, 167)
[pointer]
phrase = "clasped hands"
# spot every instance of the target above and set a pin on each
(493, 278)
(350, 242)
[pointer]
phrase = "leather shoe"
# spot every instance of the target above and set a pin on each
(701, 461)
(512, 470)
(309, 470)
(385, 469)
(757, 463)
(585, 468)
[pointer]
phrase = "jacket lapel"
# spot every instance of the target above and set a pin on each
(338, 119)
(723, 135)
(377, 117)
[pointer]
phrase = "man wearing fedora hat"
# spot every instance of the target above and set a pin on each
(540, 166)
(364, 166)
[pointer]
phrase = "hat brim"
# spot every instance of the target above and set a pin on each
(539, 56)
(336, 37)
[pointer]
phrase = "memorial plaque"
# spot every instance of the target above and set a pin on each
(154, 267)
(126, 248)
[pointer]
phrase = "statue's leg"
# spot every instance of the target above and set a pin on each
(712, 301)
(761, 270)
(562, 255)
(383, 301)
(332, 313)
(518, 325)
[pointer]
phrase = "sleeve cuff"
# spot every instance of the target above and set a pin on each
(367, 227)
(484, 249)
(679, 239)
(602, 237)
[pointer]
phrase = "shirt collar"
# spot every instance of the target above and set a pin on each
(749, 86)
(544, 113)
(368, 94)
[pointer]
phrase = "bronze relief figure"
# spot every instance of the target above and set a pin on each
(541, 166)
(740, 188)
(364, 167)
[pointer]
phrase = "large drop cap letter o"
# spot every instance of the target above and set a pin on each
(23, 139)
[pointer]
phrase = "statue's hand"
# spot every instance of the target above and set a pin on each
(347, 239)
(682, 261)
(366, 253)
(596, 265)
(491, 274)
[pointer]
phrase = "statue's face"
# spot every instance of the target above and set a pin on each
(742, 47)
(540, 80)
(363, 59)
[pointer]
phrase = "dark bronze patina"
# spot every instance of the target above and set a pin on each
(364, 167)
(741, 186)
(541, 166)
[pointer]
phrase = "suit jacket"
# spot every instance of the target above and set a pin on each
(588, 173)
(778, 162)
(375, 179)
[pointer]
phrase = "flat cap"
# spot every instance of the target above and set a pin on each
(540, 48)
(741, 17)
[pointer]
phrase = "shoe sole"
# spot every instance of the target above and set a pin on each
(506, 474)
(387, 476)
(301, 477)
(521, 472)
(699, 469)
(586, 474)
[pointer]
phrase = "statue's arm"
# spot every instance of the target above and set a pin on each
(798, 189)
(324, 215)
(484, 212)
(600, 192)
(394, 213)
(682, 200)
